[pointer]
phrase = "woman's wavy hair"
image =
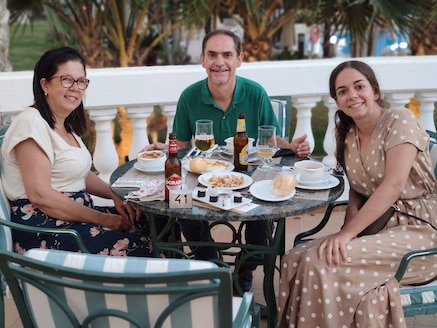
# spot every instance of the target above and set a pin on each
(343, 122)
(46, 67)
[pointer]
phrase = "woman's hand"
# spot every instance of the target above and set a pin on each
(333, 248)
(116, 222)
(132, 214)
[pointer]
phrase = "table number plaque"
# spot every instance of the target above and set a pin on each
(180, 198)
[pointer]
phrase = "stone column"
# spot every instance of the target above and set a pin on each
(304, 106)
(329, 141)
(427, 107)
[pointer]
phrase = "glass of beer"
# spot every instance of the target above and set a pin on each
(204, 137)
(266, 145)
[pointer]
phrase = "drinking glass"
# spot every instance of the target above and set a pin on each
(204, 137)
(266, 145)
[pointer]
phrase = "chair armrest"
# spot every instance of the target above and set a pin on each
(247, 311)
(71, 232)
(408, 257)
(300, 237)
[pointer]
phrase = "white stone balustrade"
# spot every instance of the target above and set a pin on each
(306, 81)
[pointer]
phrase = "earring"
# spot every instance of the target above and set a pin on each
(45, 94)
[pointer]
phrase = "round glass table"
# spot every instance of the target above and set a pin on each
(304, 201)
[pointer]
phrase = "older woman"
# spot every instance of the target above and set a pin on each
(46, 168)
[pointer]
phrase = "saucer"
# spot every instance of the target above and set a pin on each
(230, 152)
(139, 168)
(324, 179)
(330, 183)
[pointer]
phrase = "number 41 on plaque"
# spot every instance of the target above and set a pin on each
(180, 198)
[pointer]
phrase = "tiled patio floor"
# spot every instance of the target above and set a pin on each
(294, 225)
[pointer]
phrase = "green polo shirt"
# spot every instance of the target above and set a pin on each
(196, 103)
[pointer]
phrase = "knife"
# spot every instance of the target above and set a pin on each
(188, 155)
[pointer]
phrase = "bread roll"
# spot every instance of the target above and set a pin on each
(283, 184)
(198, 165)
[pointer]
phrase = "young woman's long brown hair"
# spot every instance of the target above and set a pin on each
(343, 122)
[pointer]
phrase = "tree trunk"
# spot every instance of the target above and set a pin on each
(424, 41)
(5, 65)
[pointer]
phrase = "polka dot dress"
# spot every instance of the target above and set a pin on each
(363, 292)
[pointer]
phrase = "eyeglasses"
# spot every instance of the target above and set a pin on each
(67, 81)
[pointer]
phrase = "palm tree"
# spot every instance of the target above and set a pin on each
(362, 19)
(423, 40)
(86, 18)
(260, 20)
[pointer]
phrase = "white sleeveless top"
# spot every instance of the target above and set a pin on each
(70, 165)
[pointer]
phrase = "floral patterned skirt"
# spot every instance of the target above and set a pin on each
(97, 239)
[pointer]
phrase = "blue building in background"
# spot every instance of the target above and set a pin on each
(387, 44)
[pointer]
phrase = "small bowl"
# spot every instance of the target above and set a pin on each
(230, 144)
(151, 159)
(309, 170)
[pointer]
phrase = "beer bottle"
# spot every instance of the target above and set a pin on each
(173, 167)
(240, 145)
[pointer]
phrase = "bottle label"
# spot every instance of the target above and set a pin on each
(173, 147)
(241, 125)
(173, 182)
(244, 156)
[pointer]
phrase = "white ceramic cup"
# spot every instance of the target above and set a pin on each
(309, 170)
(230, 144)
(151, 160)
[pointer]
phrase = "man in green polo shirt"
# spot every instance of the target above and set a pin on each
(223, 95)
(220, 98)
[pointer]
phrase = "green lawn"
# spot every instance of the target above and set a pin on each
(28, 44)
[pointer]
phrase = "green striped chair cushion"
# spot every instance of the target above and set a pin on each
(419, 299)
(5, 210)
(5, 214)
(201, 312)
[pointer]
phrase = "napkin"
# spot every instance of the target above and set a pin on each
(148, 191)
(127, 183)
(284, 153)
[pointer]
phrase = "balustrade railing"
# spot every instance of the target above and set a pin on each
(139, 89)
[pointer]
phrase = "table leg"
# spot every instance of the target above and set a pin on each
(269, 255)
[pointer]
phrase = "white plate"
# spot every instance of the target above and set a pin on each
(218, 204)
(203, 179)
(139, 168)
(228, 166)
(262, 190)
(229, 152)
(315, 182)
(331, 183)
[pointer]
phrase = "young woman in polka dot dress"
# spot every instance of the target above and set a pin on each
(342, 280)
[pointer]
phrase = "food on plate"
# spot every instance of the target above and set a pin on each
(201, 165)
(214, 165)
(152, 154)
(283, 184)
(226, 181)
(198, 165)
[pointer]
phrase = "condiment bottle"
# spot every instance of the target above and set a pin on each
(240, 145)
(173, 167)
